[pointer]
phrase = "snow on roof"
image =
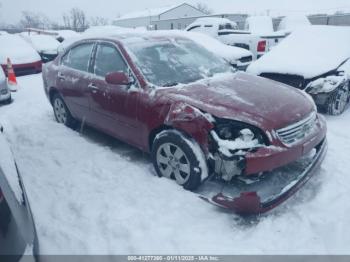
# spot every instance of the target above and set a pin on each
(292, 22)
(213, 20)
(260, 25)
(17, 49)
(308, 52)
(148, 12)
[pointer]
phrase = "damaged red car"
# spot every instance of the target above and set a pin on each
(202, 122)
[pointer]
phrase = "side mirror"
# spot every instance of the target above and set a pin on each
(118, 78)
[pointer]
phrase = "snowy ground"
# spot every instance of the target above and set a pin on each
(91, 194)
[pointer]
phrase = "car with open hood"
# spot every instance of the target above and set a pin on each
(198, 118)
(314, 59)
(17, 229)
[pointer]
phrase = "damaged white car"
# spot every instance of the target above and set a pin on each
(316, 60)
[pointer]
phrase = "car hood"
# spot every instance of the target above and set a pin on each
(308, 52)
(260, 102)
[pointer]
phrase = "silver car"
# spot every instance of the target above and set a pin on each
(5, 93)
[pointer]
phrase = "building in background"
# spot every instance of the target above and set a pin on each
(149, 17)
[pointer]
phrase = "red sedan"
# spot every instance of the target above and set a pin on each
(197, 117)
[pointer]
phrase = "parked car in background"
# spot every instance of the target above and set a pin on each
(170, 97)
(45, 45)
(239, 58)
(314, 59)
(227, 32)
(292, 22)
(262, 26)
(24, 58)
(17, 229)
(5, 93)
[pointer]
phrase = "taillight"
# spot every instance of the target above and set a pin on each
(262, 46)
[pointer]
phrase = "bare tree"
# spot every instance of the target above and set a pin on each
(34, 20)
(97, 21)
(204, 8)
(75, 20)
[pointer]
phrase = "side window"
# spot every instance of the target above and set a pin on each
(108, 60)
(79, 57)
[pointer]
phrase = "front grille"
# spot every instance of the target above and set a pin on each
(294, 133)
(246, 59)
(292, 80)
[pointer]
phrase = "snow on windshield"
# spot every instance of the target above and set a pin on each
(308, 52)
(170, 62)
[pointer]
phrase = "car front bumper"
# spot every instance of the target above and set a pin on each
(270, 191)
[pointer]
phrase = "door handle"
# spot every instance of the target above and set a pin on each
(61, 76)
(93, 88)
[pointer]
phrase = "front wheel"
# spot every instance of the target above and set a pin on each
(177, 157)
(338, 101)
(61, 111)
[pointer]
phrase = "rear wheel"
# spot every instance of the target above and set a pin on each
(338, 101)
(61, 111)
(173, 156)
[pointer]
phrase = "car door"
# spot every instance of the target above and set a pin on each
(113, 107)
(73, 79)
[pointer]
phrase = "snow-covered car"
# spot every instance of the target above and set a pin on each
(5, 93)
(24, 58)
(17, 229)
(239, 58)
(45, 45)
(314, 59)
(292, 22)
(189, 109)
(227, 32)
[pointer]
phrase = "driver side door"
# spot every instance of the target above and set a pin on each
(113, 108)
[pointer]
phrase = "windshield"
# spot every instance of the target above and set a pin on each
(171, 62)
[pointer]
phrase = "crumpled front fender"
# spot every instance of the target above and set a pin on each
(192, 121)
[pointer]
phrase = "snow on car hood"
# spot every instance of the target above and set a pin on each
(260, 102)
(43, 43)
(308, 52)
(17, 49)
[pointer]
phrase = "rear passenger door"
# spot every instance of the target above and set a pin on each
(113, 107)
(73, 79)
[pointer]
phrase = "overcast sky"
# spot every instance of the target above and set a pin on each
(10, 10)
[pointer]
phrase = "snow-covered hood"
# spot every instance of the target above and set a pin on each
(243, 97)
(17, 49)
(43, 43)
(308, 52)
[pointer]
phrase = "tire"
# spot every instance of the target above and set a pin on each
(61, 111)
(338, 101)
(9, 100)
(173, 157)
(5, 216)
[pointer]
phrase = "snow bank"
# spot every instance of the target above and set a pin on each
(308, 52)
(17, 49)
